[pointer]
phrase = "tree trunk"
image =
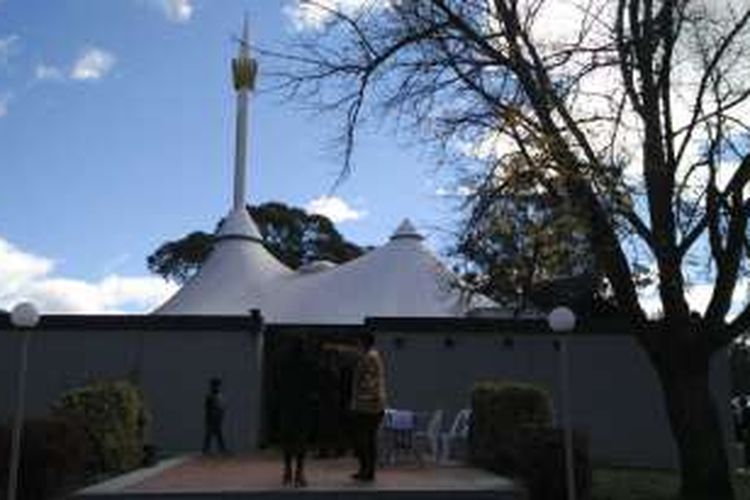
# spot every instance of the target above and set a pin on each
(693, 417)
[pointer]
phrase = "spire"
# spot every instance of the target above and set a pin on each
(245, 45)
(244, 69)
(406, 231)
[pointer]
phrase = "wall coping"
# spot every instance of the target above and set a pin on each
(426, 325)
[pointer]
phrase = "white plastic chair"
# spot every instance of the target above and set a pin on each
(457, 435)
(429, 437)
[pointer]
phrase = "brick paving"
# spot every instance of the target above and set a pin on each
(262, 472)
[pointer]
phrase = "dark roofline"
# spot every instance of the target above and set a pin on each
(136, 322)
(601, 326)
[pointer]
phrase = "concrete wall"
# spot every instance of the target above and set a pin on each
(615, 394)
(616, 397)
(171, 366)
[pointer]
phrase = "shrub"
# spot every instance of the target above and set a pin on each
(502, 408)
(511, 434)
(53, 457)
(114, 418)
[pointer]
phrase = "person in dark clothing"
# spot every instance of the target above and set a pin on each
(328, 427)
(333, 436)
(298, 411)
(213, 410)
(744, 426)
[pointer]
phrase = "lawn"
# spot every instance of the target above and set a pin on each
(648, 484)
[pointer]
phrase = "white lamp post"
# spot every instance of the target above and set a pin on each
(24, 317)
(562, 320)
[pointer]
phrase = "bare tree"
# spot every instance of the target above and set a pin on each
(630, 111)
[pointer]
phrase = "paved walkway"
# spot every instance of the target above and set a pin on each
(261, 473)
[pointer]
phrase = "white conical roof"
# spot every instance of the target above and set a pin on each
(399, 279)
(406, 230)
(238, 224)
(234, 276)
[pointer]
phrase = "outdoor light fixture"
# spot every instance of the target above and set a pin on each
(24, 317)
(562, 320)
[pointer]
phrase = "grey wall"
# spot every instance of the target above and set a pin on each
(171, 366)
(616, 396)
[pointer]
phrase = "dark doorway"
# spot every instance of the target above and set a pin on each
(334, 350)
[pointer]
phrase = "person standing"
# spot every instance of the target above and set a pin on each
(744, 426)
(367, 405)
(214, 409)
(298, 409)
(330, 426)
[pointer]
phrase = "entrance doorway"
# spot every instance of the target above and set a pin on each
(334, 351)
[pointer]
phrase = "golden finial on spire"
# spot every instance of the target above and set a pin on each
(244, 67)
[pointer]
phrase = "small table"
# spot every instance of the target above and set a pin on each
(397, 436)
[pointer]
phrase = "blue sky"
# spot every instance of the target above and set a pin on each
(116, 134)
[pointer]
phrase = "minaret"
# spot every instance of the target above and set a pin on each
(237, 223)
(244, 70)
(239, 270)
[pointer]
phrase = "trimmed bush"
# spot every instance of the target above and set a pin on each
(53, 457)
(114, 418)
(512, 434)
(502, 408)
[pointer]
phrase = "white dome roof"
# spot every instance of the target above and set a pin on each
(239, 224)
(235, 274)
(399, 279)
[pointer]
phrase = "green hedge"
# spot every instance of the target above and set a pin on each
(511, 434)
(514, 404)
(114, 418)
(54, 453)
(502, 408)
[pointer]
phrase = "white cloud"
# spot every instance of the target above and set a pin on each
(17, 268)
(48, 72)
(698, 297)
(116, 262)
(8, 47)
(334, 208)
(5, 98)
(93, 64)
(25, 276)
(461, 191)
(306, 15)
(176, 11)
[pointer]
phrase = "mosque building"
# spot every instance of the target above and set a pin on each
(399, 279)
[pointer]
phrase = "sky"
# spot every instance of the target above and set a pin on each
(117, 134)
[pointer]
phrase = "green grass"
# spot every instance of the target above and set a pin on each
(648, 484)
